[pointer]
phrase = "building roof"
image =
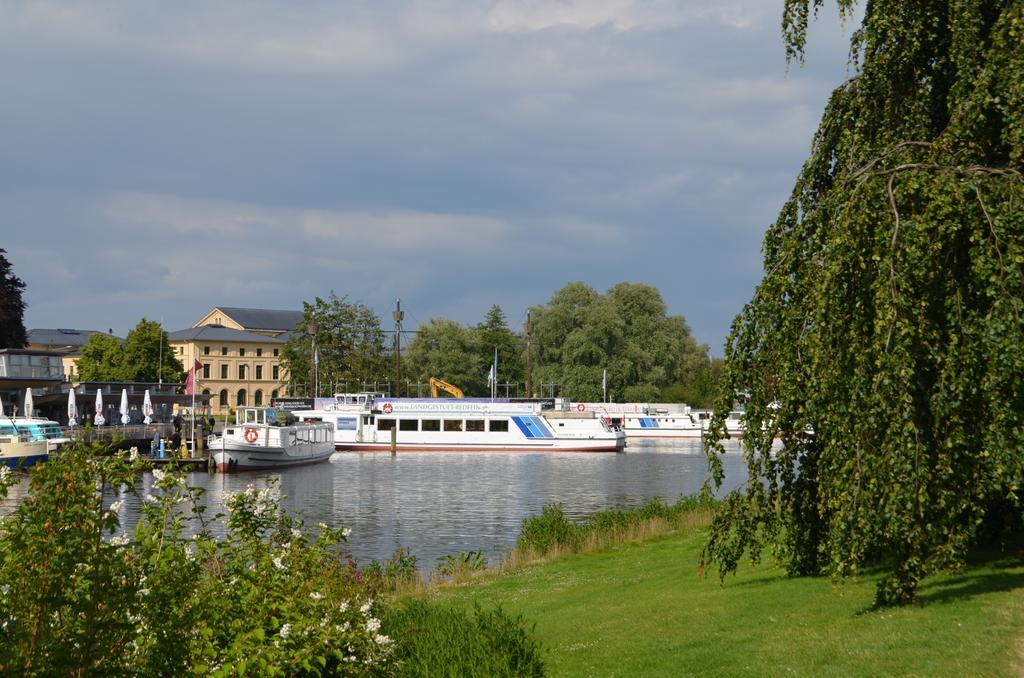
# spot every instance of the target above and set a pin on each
(60, 337)
(262, 318)
(221, 333)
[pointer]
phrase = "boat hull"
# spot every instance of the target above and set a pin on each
(23, 455)
(610, 446)
(254, 458)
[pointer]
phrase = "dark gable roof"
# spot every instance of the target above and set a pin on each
(262, 318)
(60, 337)
(221, 333)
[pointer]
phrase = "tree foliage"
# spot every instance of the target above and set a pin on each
(449, 351)
(580, 333)
(145, 356)
(350, 343)
(12, 306)
(885, 345)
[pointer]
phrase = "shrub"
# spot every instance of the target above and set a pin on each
(461, 563)
(268, 597)
(438, 642)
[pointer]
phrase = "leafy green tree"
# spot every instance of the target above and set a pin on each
(449, 351)
(349, 341)
(146, 355)
(140, 357)
(12, 306)
(493, 334)
(885, 344)
(579, 334)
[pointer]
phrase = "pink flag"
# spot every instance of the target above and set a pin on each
(190, 381)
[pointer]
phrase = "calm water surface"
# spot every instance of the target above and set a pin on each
(439, 503)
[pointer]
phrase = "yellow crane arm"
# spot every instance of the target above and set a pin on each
(435, 384)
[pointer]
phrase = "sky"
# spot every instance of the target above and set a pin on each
(160, 159)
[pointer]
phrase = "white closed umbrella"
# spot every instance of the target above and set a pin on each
(72, 408)
(30, 406)
(147, 408)
(124, 406)
(98, 419)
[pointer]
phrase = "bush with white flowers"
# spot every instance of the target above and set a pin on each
(269, 597)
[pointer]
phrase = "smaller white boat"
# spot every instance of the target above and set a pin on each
(263, 439)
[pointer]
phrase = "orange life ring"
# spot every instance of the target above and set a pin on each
(387, 408)
(251, 435)
(581, 407)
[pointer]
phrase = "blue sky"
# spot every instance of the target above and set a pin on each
(161, 159)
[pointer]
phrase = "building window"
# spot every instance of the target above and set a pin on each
(241, 371)
(275, 372)
(241, 352)
(275, 352)
(206, 391)
(206, 350)
(223, 350)
(259, 372)
(257, 398)
(224, 398)
(273, 394)
(240, 401)
(259, 352)
(206, 370)
(224, 371)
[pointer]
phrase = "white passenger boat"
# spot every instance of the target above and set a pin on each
(464, 424)
(260, 440)
(648, 420)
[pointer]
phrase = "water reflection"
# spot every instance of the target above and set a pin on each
(442, 503)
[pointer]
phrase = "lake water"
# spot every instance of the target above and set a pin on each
(440, 503)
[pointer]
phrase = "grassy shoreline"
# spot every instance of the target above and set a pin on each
(631, 603)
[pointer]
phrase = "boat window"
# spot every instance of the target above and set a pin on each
(499, 425)
(385, 424)
(366, 419)
(474, 424)
(452, 424)
(408, 425)
(561, 423)
(431, 425)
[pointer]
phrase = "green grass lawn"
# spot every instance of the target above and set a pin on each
(641, 610)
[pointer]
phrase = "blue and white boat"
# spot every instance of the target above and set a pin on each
(18, 450)
(463, 424)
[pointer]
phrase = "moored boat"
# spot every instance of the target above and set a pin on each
(263, 439)
(648, 420)
(465, 424)
(18, 450)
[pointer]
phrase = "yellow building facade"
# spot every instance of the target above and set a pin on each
(238, 351)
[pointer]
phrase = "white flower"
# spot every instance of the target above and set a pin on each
(189, 555)
(346, 532)
(296, 533)
(150, 499)
(133, 454)
(278, 562)
(382, 639)
(372, 624)
(4, 473)
(116, 506)
(285, 630)
(343, 628)
(143, 592)
(365, 609)
(158, 474)
(120, 540)
(321, 526)
(316, 596)
(344, 606)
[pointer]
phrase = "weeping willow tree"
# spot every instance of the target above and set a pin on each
(885, 344)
